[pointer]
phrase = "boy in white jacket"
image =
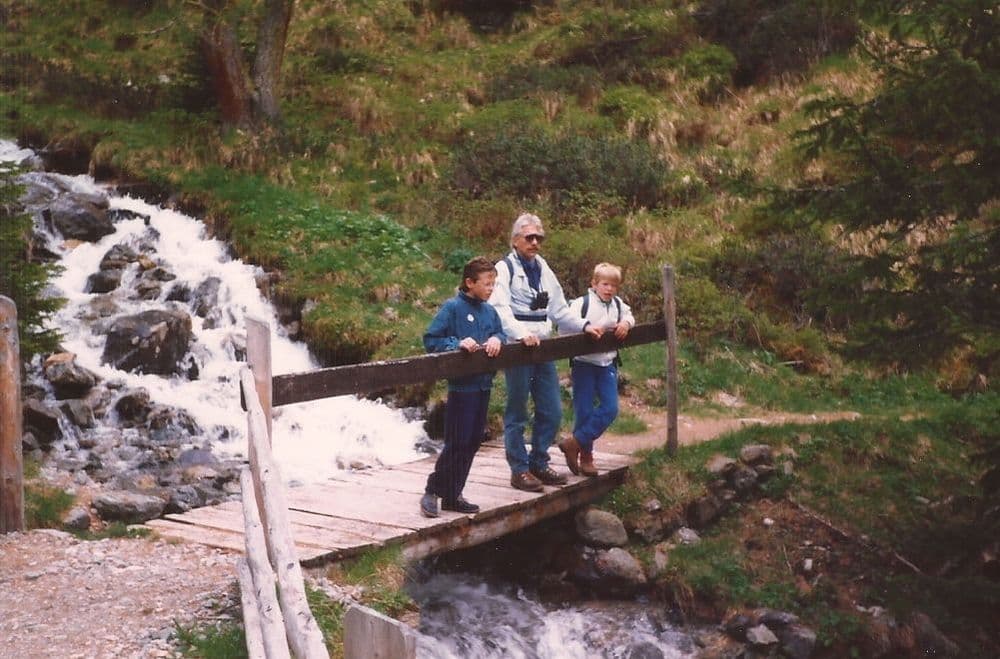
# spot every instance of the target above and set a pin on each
(595, 377)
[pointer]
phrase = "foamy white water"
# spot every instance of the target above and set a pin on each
(311, 440)
(461, 616)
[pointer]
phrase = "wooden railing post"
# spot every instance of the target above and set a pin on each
(304, 635)
(670, 318)
(11, 460)
(259, 360)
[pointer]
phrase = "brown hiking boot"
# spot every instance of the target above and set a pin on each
(571, 449)
(525, 481)
(549, 476)
(587, 467)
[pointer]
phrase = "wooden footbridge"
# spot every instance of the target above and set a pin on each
(360, 510)
(280, 528)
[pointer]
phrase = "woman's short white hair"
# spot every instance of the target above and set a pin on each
(525, 220)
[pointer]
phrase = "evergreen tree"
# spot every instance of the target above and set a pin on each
(21, 279)
(913, 177)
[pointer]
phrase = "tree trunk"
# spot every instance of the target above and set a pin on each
(225, 64)
(271, 39)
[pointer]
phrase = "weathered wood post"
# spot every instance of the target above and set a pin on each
(259, 359)
(670, 318)
(11, 460)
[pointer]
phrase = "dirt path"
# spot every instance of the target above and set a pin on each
(693, 430)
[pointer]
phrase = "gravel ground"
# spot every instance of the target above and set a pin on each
(68, 598)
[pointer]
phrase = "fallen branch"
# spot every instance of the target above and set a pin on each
(847, 536)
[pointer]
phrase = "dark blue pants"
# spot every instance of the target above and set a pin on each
(464, 425)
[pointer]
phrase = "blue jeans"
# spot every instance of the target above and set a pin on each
(541, 382)
(464, 424)
(595, 401)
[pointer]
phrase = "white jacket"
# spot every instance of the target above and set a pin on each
(512, 297)
(600, 314)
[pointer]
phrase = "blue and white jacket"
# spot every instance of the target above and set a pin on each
(512, 298)
(601, 314)
(460, 317)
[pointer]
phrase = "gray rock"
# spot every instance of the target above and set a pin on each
(128, 507)
(797, 641)
(41, 420)
(78, 220)
(153, 341)
(719, 464)
(104, 281)
(755, 454)
(643, 650)
(76, 519)
(742, 479)
(118, 257)
(78, 412)
(133, 407)
(618, 565)
(68, 379)
(703, 511)
(686, 536)
(600, 528)
(760, 636)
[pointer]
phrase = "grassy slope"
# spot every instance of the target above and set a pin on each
(359, 213)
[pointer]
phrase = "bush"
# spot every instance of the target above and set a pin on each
(531, 164)
(776, 36)
(783, 274)
(712, 67)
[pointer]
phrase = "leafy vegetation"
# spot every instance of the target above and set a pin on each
(889, 491)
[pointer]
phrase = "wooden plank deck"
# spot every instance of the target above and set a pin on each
(359, 510)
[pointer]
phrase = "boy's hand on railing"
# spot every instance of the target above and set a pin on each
(594, 331)
(621, 329)
(531, 340)
(468, 344)
(492, 346)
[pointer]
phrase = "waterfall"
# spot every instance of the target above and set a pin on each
(310, 439)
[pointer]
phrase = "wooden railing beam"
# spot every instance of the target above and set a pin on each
(382, 375)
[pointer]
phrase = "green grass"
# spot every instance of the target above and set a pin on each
(225, 641)
(44, 506)
(882, 478)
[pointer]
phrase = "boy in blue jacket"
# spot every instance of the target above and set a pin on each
(465, 322)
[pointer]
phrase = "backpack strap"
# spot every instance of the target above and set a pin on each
(586, 306)
(510, 269)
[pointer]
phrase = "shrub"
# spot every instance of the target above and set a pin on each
(712, 67)
(531, 164)
(783, 274)
(776, 36)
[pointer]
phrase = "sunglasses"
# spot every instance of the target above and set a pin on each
(535, 238)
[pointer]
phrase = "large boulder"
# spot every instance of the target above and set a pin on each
(68, 379)
(41, 421)
(153, 341)
(128, 507)
(79, 219)
(600, 528)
